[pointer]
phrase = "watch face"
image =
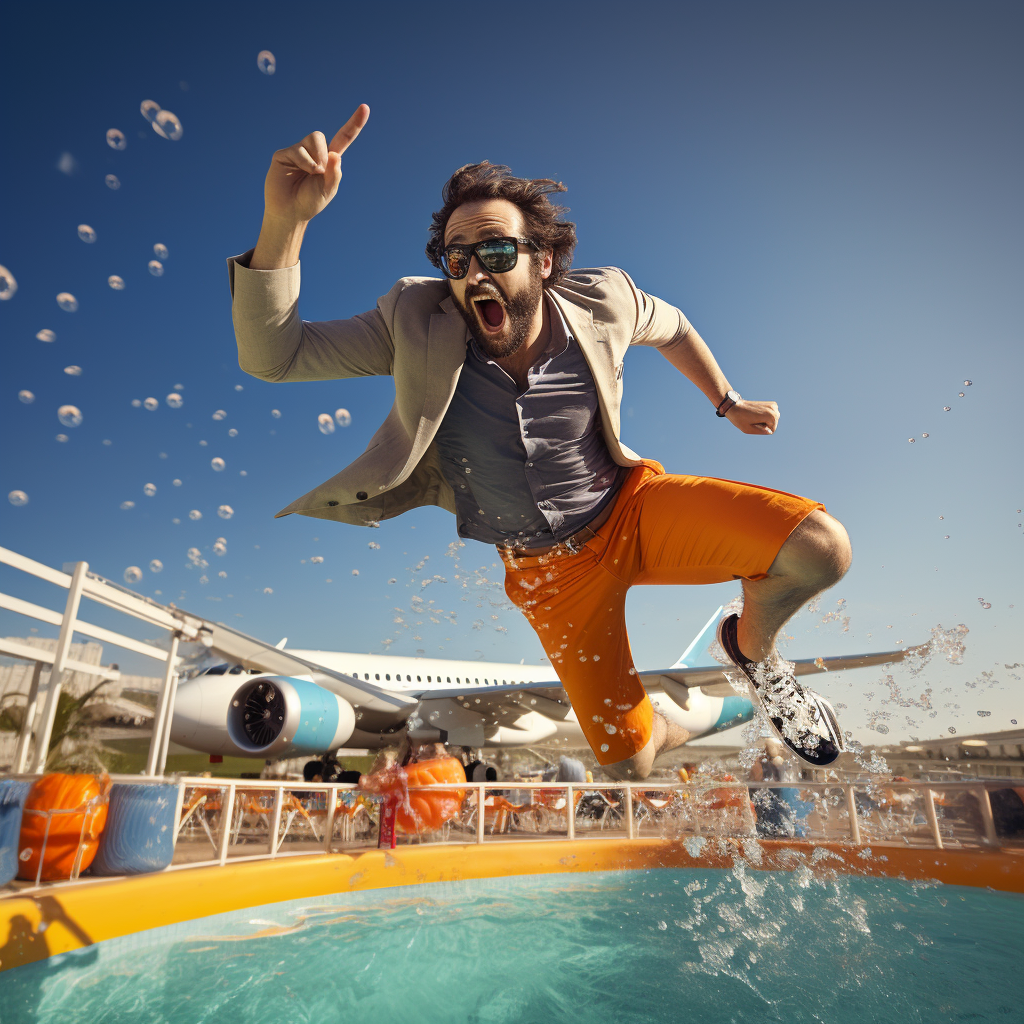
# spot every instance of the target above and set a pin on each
(735, 396)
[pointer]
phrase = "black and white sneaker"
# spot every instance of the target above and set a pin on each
(801, 718)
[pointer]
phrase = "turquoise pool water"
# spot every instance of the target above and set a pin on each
(651, 946)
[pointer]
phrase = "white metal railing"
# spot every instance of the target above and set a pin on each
(37, 726)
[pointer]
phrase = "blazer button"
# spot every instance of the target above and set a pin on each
(361, 495)
(331, 504)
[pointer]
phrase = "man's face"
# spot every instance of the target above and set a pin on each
(499, 309)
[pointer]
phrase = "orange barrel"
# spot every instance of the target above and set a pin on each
(86, 795)
(427, 812)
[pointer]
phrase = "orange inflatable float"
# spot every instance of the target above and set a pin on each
(720, 799)
(427, 812)
(87, 795)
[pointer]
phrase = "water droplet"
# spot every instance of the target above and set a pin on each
(73, 371)
(17, 498)
(67, 302)
(268, 590)
(232, 432)
(8, 286)
(175, 483)
(924, 435)
(149, 490)
(343, 416)
(112, 181)
(151, 404)
(116, 139)
(217, 464)
(174, 400)
(946, 408)
(392, 580)
(355, 572)
(86, 233)
(132, 574)
(225, 511)
(276, 413)
(952, 731)
(195, 514)
(125, 506)
(604, 748)
(115, 282)
(156, 565)
(911, 439)
(266, 62)
(968, 383)
(26, 397)
(220, 547)
(326, 423)
(46, 335)
(156, 268)
(961, 395)
(62, 438)
(167, 126)
(160, 251)
(946, 537)
(149, 109)
(219, 414)
(238, 387)
(610, 729)
(70, 415)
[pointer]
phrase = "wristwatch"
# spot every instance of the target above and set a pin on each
(731, 398)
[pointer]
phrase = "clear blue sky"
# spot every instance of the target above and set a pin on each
(831, 193)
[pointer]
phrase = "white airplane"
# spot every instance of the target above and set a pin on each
(272, 703)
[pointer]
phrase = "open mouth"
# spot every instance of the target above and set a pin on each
(491, 313)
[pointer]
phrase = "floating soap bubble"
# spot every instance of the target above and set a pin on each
(317, 559)
(156, 565)
(343, 416)
(8, 286)
(268, 590)
(217, 464)
(276, 413)
(149, 109)
(167, 126)
(946, 408)
(46, 335)
(156, 268)
(70, 415)
(225, 511)
(67, 302)
(195, 515)
(132, 574)
(326, 423)
(17, 498)
(112, 181)
(924, 435)
(910, 439)
(26, 397)
(174, 400)
(160, 251)
(175, 482)
(355, 572)
(149, 490)
(116, 139)
(968, 383)
(115, 282)
(232, 432)
(266, 62)
(126, 505)
(73, 371)
(62, 438)
(86, 233)
(151, 404)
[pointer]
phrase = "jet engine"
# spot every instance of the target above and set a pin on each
(279, 716)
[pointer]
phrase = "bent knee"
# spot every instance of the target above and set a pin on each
(631, 769)
(818, 548)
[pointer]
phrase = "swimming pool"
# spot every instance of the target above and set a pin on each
(654, 945)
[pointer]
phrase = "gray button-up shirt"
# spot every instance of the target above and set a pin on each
(528, 469)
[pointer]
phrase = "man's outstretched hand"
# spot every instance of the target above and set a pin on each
(754, 417)
(304, 178)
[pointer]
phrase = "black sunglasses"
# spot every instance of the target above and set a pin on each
(496, 255)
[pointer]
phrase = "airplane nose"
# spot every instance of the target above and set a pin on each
(188, 711)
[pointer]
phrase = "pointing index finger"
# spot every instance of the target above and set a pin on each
(350, 129)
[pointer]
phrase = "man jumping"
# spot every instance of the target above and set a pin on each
(508, 382)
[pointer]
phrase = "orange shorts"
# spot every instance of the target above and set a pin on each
(665, 529)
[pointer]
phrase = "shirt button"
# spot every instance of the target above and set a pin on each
(529, 465)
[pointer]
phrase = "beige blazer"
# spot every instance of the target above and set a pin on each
(416, 335)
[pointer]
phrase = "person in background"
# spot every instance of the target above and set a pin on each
(775, 807)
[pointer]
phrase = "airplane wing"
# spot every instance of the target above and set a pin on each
(247, 650)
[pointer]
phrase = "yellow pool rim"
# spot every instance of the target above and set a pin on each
(67, 917)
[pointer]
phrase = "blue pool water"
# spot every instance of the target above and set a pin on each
(651, 946)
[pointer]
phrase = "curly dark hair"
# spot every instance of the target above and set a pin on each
(496, 181)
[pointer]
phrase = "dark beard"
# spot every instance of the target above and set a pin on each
(519, 311)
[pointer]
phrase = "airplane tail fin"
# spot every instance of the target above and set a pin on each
(696, 655)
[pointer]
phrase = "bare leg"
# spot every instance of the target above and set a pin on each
(665, 735)
(815, 556)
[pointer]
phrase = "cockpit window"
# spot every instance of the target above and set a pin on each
(235, 670)
(217, 670)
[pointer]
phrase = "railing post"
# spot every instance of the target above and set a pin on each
(332, 803)
(162, 717)
(480, 799)
(226, 814)
(178, 805)
(933, 821)
(570, 814)
(67, 629)
(851, 809)
(31, 706)
(986, 816)
(275, 820)
(630, 823)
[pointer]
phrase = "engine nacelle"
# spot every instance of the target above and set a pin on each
(281, 716)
